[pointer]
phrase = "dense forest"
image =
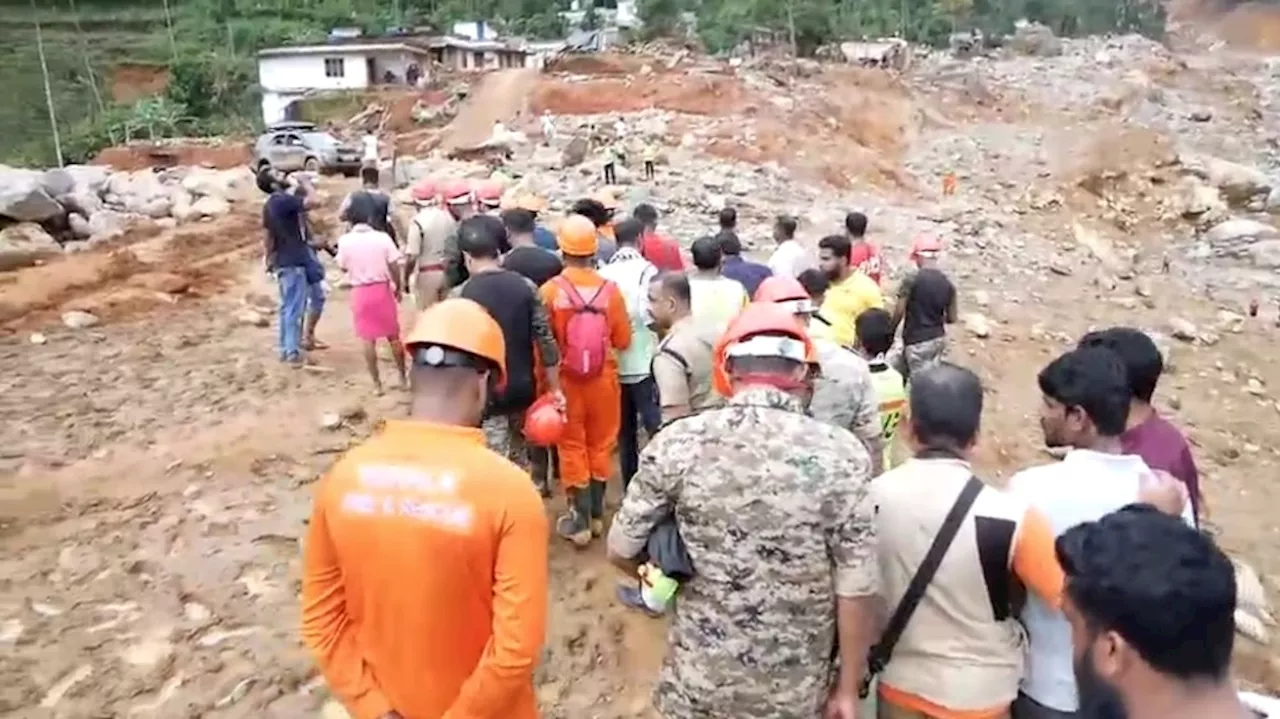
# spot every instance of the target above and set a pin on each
(209, 47)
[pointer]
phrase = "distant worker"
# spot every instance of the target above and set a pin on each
(785, 579)
(460, 634)
(548, 127)
(685, 357)
(650, 159)
(789, 258)
(658, 248)
(373, 266)
(734, 266)
(369, 143)
(589, 318)
(716, 298)
(925, 305)
(864, 257)
(613, 155)
(851, 292)
(727, 223)
(369, 202)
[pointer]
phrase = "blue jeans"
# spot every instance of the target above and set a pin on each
(293, 303)
(315, 290)
(639, 410)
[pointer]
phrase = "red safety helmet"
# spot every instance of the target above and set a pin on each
(489, 193)
(544, 423)
(785, 291)
(923, 245)
(456, 192)
(762, 329)
(426, 191)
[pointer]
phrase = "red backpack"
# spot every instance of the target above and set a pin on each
(586, 337)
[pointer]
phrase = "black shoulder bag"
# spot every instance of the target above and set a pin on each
(878, 657)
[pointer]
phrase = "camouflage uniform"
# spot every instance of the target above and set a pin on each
(773, 508)
(504, 433)
(844, 396)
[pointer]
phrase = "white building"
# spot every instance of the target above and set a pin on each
(287, 74)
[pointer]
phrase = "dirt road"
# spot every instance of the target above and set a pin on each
(499, 97)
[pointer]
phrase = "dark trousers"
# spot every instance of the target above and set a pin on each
(648, 169)
(639, 410)
(610, 173)
(1024, 707)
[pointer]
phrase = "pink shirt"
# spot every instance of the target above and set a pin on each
(367, 254)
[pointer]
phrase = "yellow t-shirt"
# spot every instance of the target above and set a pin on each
(845, 301)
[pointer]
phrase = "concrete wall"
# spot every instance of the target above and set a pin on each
(286, 78)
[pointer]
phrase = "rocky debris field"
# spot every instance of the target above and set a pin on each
(154, 486)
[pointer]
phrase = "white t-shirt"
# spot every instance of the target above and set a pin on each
(790, 259)
(1083, 487)
(370, 147)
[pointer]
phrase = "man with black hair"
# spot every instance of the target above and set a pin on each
(526, 257)
(815, 283)
(789, 258)
(513, 302)
(656, 247)
(716, 298)
(682, 365)
(1149, 603)
(727, 222)
(293, 262)
(875, 338)
(864, 257)
(743, 271)
(1148, 435)
(371, 202)
(1085, 404)
(632, 273)
(962, 649)
(602, 218)
(851, 292)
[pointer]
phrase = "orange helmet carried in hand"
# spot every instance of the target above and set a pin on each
(785, 291)
(762, 329)
(458, 332)
(544, 423)
(425, 191)
(577, 237)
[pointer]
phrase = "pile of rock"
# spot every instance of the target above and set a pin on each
(72, 208)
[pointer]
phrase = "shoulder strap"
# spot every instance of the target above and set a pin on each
(575, 299)
(679, 359)
(878, 658)
(599, 291)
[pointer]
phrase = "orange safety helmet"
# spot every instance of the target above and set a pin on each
(456, 192)
(488, 192)
(926, 244)
(762, 329)
(426, 191)
(786, 291)
(577, 237)
(458, 332)
(544, 423)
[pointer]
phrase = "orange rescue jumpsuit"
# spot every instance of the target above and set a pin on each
(594, 406)
(424, 584)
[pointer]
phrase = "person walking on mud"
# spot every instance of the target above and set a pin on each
(288, 256)
(459, 634)
(373, 265)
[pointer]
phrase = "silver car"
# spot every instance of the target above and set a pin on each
(293, 146)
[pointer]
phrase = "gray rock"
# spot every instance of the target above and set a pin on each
(574, 152)
(88, 178)
(1233, 231)
(23, 244)
(1182, 329)
(79, 226)
(977, 324)
(106, 225)
(23, 198)
(80, 201)
(210, 206)
(57, 182)
(77, 320)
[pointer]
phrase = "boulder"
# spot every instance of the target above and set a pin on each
(207, 183)
(78, 320)
(574, 152)
(106, 225)
(155, 207)
(1234, 231)
(1239, 183)
(1033, 38)
(79, 226)
(23, 198)
(57, 182)
(21, 245)
(80, 202)
(210, 207)
(1200, 202)
(88, 178)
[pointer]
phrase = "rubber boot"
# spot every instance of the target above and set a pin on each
(540, 470)
(597, 507)
(575, 524)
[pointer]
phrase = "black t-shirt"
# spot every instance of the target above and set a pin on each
(374, 206)
(533, 262)
(284, 219)
(510, 301)
(929, 296)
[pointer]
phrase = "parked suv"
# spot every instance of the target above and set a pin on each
(292, 146)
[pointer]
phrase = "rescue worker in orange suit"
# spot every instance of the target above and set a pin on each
(589, 319)
(424, 590)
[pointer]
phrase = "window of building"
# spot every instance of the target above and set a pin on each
(334, 67)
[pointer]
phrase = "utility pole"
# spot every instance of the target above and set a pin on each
(48, 91)
(173, 41)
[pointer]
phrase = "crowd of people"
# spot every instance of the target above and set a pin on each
(797, 488)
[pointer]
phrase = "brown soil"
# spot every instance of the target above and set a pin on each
(221, 155)
(500, 96)
(130, 82)
(692, 94)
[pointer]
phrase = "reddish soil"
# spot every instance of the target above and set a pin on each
(220, 155)
(692, 94)
(129, 82)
